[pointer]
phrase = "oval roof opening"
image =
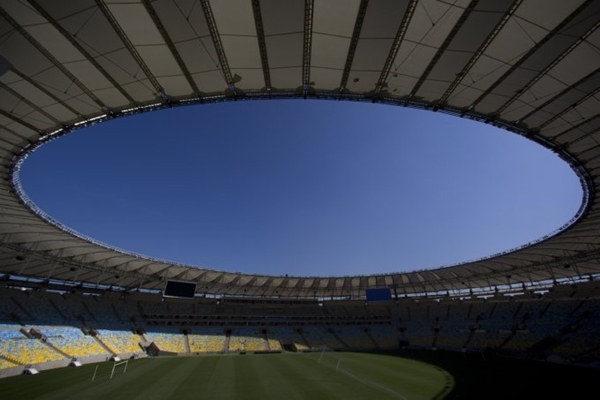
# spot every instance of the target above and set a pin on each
(305, 188)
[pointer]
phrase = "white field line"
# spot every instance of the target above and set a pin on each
(367, 382)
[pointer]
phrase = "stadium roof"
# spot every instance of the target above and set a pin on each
(530, 67)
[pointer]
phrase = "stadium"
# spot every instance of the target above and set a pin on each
(522, 322)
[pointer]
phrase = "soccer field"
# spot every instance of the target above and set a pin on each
(328, 375)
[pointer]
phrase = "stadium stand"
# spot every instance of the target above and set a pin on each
(543, 327)
(207, 340)
(385, 335)
(71, 341)
(523, 66)
(120, 342)
(168, 340)
(247, 340)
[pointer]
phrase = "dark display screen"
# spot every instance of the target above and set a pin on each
(379, 294)
(179, 289)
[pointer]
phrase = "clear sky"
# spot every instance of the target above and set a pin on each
(303, 187)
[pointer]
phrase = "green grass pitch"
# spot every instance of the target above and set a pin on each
(328, 375)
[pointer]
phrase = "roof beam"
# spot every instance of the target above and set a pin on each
(3, 140)
(20, 121)
(309, 6)
(130, 47)
(216, 38)
(574, 127)
(51, 58)
(48, 257)
(463, 73)
(46, 92)
(170, 45)
(262, 45)
(29, 103)
(533, 51)
(558, 95)
(360, 18)
(17, 135)
(81, 49)
(442, 49)
(549, 67)
(385, 71)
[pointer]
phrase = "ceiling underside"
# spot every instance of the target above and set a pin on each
(530, 67)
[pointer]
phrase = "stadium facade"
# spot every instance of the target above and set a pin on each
(530, 67)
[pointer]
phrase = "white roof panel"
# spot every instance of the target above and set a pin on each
(286, 77)
(329, 51)
(239, 23)
(141, 33)
(281, 18)
(335, 17)
(210, 82)
(532, 72)
(279, 58)
(325, 78)
(159, 60)
(241, 51)
(198, 55)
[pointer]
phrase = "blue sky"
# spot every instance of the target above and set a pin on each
(303, 187)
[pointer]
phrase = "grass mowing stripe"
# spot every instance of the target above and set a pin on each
(421, 377)
(137, 378)
(417, 376)
(250, 371)
(164, 387)
(26, 386)
(221, 379)
(385, 379)
(366, 378)
(286, 376)
(139, 375)
(406, 377)
(329, 383)
(287, 382)
(296, 381)
(53, 384)
(274, 385)
(397, 376)
(193, 386)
